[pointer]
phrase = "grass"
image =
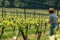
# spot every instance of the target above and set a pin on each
(32, 31)
(27, 10)
(10, 35)
(45, 37)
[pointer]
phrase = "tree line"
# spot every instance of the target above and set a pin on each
(27, 3)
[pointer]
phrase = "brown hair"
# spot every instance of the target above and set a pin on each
(51, 10)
